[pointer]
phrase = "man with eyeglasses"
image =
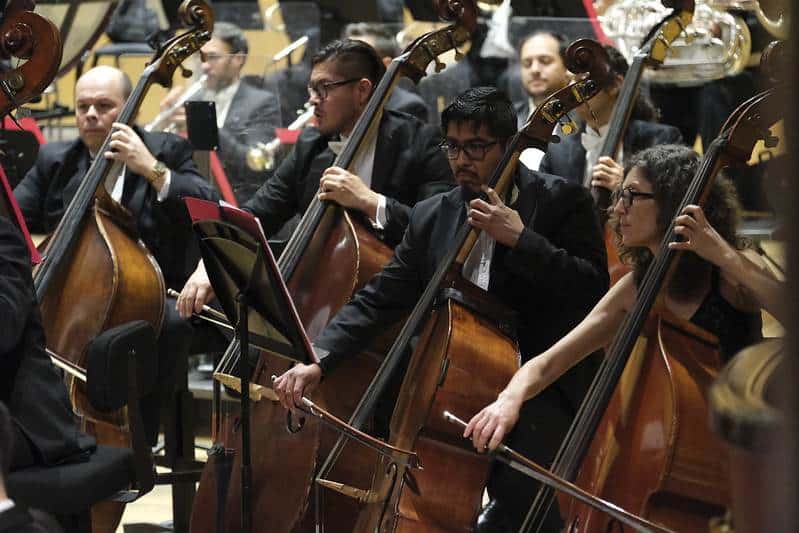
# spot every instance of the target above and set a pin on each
(245, 114)
(397, 167)
(540, 253)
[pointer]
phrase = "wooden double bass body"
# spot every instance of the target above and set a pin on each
(654, 454)
(330, 256)
(640, 439)
(97, 273)
(466, 353)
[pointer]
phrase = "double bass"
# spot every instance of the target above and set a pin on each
(466, 342)
(641, 438)
(97, 273)
(652, 54)
(331, 254)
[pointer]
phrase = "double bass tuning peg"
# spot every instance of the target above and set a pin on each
(567, 125)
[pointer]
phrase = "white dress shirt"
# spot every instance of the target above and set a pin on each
(222, 100)
(363, 166)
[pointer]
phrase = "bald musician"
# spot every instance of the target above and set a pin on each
(157, 172)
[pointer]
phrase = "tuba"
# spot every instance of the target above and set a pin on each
(163, 121)
(715, 45)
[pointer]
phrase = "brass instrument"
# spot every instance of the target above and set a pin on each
(775, 16)
(715, 45)
(262, 155)
(163, 121)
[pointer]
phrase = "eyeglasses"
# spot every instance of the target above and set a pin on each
(320, 90)
(212, 57)
(627, 195)
(474, 150)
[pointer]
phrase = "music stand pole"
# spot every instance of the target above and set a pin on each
(244, 375)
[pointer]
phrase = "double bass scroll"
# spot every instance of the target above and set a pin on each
(26, 35)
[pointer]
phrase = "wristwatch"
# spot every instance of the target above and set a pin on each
(159, 169)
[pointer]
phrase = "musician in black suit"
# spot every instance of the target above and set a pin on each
(398, 167)
(43, 431)
(156, 175)
(542, 70)
(540, 244)
(245, 114)
(576, 157)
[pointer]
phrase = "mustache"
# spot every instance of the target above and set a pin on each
(466, 172)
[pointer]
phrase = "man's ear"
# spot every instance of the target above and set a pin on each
(364, 89)
(615, 87)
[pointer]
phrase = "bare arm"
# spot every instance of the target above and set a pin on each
(753, 285)
(489, 426)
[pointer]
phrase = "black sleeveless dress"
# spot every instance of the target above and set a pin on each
(734, 328)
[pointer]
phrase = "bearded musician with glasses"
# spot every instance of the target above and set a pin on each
(398, 167)
(540, 243)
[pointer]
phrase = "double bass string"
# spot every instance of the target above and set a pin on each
(602, 387)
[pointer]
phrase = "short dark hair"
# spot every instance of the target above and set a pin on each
(644, 108)
(231, 35)
(563, 42)
(618, 63)
(384, 41)
(353, 58)
(482, 105)
(670, 168)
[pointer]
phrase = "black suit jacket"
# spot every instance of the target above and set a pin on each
(165, 228)
(19, 520)
(408, 167)
(567, 158)
(407, 102)
(522, 109)
(552, 277)
(253, 116)
(29, 385)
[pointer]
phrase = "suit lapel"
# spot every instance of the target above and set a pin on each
(453, 214)
(576, 158)
(234, 119)
(73, 175)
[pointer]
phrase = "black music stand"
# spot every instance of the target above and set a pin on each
(253, 295)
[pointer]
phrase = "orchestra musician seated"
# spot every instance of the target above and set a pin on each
(540, 243)
(156, 173)
(719, 284)
(41, 430)
(542, 71)
(577, 157)
(398, 167)
(245, 114)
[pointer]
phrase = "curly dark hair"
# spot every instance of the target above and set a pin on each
(670, 169)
